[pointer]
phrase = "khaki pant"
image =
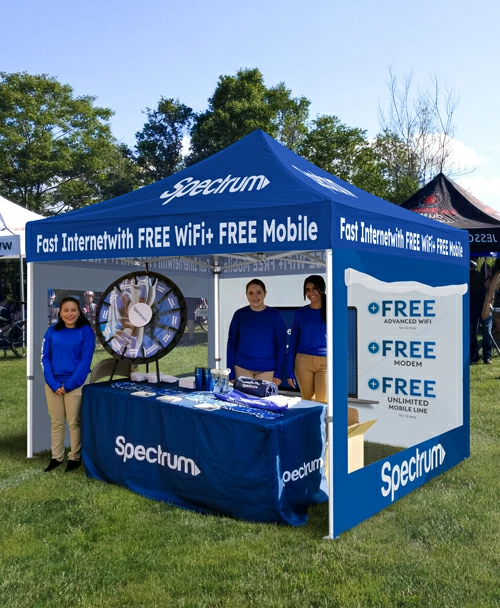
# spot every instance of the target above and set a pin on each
(310, 372)
(240, 371)
(62, 408)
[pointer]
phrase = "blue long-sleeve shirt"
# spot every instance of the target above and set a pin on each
(308, 336)
(66, 356)
(257, 341)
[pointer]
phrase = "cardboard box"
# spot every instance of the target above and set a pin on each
(188, 382)
(352, 416)
(355, 441)
(356, 444)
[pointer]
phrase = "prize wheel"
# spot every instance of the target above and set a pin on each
(141, 317)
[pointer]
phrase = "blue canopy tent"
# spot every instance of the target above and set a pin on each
(257, 200)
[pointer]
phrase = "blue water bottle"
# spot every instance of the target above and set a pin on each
(198, 378)
(208, 380)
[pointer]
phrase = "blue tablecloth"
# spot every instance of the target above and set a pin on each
(208, 461)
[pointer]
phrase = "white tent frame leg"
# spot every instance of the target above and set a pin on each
(30, 345)
(216, 317)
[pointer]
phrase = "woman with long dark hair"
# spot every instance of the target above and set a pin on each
(67, 351)
(306, 361)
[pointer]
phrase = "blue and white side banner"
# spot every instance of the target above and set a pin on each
(401, 350)
(410, 356)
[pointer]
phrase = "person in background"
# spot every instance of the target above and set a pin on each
(89, 308)
(191, 304)
(495, 271)
(52, 309)
(477, 295)
(486, 324)
(256, 345)
(5, 312)
(496, 299)
(67, 351)
(306, 360)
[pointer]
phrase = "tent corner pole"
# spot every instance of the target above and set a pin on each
(216, 316)
(30, 359)
(21, 282)
(329, 375)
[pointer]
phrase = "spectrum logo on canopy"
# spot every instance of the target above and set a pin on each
(325, 182)
(191, 186)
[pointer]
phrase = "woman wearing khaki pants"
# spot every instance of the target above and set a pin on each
(306, 360)
(306, 363)
(67, 351)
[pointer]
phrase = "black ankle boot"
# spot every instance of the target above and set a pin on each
(53, 464)
(72, 465)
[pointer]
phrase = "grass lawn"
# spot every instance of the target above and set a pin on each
(66, 541)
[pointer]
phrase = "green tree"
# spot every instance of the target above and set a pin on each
(398, 165)
(344, 152)
(122, 174)
(54, 147)
(160, 142)
(289, 116)
(239, 105)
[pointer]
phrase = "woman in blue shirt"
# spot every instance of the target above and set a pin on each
(306, 361)
(256, 344)
(67, 351)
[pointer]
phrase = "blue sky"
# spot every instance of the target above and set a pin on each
(336, 53)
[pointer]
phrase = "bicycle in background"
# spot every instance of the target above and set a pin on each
(13, 336)
(201, 316)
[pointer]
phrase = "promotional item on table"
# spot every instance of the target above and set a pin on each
(254, 386)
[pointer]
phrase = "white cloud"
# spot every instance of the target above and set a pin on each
(464, 156)
(486, 189)
(491, 147)
(484, 182)
(186, 142)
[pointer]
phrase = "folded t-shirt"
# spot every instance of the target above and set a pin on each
(252, 386)
(239, 398)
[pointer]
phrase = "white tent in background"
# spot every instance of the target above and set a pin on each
(13, 220)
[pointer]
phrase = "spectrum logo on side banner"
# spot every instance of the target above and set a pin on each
(409, 470)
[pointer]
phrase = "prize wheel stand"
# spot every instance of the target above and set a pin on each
(140, 318)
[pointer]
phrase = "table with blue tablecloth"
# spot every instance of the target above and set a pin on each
(222, 461)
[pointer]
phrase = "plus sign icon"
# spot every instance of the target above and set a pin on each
(373, 383)
(373, 348)
(373, 308)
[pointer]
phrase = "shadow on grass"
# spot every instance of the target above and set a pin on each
(13, 446)
(7, 355)
(317, 525)
(378, 451)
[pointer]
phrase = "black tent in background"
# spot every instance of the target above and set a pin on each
(447, 202)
